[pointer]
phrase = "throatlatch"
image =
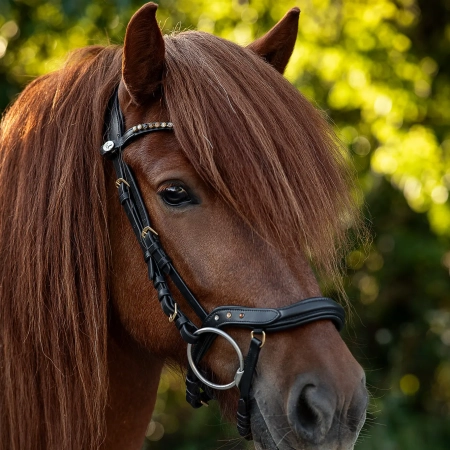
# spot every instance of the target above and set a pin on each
(259, 320)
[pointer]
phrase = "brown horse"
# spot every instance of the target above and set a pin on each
(249, 187)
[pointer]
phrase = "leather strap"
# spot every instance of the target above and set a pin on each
(197, 394)
(243, 411)
(300, 313)
(134, 206)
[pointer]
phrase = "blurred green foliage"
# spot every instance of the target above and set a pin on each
(381, 71)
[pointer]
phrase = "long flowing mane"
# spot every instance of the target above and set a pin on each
(247, 132)
(262, 146)
(53, 229)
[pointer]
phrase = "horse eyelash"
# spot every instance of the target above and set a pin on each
(171, 184)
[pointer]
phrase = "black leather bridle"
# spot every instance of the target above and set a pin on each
(259, 320)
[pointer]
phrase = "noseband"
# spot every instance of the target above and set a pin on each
(259, 320)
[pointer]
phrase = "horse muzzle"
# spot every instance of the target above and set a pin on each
(314, 416)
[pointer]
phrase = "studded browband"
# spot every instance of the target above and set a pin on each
(259, 320)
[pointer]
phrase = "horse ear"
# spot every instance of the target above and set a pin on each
(276, 45)
(143, 54)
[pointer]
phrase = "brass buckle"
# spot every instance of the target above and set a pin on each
(175, 313)
(146, 230)
(119, 181)
(263, 340)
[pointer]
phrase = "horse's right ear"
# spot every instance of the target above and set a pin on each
(277, 44)
(143, 54)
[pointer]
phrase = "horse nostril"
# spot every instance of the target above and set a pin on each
(305, 412)
(310, 411)
(318, 413)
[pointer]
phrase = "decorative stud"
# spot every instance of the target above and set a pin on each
(228, 315)
(216, 317)
(241, 315)
(146, 126)
(107, 146)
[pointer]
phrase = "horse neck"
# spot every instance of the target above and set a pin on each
(133, 383)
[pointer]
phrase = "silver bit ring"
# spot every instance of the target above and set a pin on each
(239, 372)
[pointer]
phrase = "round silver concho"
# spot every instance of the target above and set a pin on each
(107, 146)
(239, 372)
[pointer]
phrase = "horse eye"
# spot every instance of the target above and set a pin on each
(175, 196)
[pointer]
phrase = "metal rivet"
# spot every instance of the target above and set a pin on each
(228, 315)
(145, 126)
(134, 129)
(241, 315)
(170, 124)
(151, 125)
(157, 124)
(107, 146)
(163, 124)
(139, 127)
(216, 317)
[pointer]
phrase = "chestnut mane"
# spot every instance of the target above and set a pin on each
(53, 243)
(247, 132)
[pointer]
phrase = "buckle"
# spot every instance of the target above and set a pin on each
(262, 333)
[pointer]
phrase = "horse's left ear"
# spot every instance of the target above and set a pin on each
(276, 45)
(143, 54)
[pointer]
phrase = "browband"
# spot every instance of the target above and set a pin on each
(159, 265)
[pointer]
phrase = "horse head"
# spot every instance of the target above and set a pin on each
(234, 184)
(245, 187)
